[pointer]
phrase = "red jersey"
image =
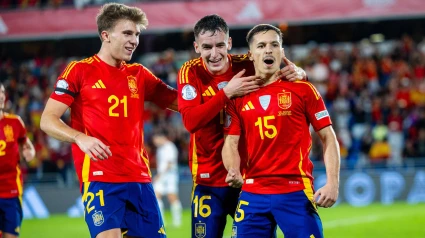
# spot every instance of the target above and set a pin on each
(12, 134)
(201, 103)
(107, 103)
(276, 121)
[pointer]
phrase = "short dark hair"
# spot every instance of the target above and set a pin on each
(211, 23)
(262, 28)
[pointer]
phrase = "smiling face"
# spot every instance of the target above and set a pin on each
(122, 40)
(265, 50)
(214, 47)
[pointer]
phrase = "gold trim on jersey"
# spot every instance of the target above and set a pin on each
(146, 160)
(85, 191)
(86, 168)
(194, 160)
(68, 69)
(308, 190)
(184, 72)
(209, 92)
(18, 180)
(316, 93)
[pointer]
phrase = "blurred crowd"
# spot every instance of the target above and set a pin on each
(375, 93)
(31, 4)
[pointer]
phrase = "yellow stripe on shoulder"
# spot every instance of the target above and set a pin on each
(315, 91)
(68, 69)
(184, 72)
(133, 64)
(10, 116)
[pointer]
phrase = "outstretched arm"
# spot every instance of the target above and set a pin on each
(56, 128)
(232, 161)
(291, 72)
(329, 193)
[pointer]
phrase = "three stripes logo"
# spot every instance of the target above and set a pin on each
(209, 92)
(99, 84)
(248, 106)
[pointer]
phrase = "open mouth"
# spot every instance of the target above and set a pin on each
(268, 61)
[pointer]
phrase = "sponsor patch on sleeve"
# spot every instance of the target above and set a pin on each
(321, 114)
(61, 86)
(188, 92)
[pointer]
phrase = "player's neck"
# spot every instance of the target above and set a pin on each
(268, 78)
(106, 57)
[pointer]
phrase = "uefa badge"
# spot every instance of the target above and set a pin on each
(221, 85)
(98, 218)
(200, 230)
(234, 232)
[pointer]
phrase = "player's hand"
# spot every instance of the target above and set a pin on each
(326, 196)
(239, 86)
(93, 147)
(234, 178)
(291, 72)
(27, 152)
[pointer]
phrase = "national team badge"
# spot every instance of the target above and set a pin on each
(200, 230)
(234, 232)
(265, 101)
(284, 100)
(8, 133)
(132, 85)
(98, 218)
(221, 85)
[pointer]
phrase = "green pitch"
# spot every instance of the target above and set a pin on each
(343, 221)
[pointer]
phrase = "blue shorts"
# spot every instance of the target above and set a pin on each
(210, 207)
(10, 215)
(130, 206)
(258, 214)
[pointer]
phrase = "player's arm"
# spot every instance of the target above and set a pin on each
(232, 160)
(158, 92)
(328, 194)
(291, 71)
(52, 125)
(196, 114)
(174, 106)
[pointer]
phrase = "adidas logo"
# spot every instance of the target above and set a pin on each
(209, 92)
(248, 106)
(99, 84)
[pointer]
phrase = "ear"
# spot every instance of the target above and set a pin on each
(105, 36)
(250, 56)
(196, 46)
(229, 43)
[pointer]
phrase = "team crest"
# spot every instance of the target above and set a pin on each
(200, 230)
(284, 100)
(265, 101)
(98, 218)
(8, 133)
(132, 85)
(221, 85)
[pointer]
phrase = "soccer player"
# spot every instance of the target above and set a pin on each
(205, 85)
(278, 187)
(106, 97)
(13, 144)
(166, 181)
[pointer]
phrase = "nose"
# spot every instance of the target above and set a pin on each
(214, 52)
(134, 40)
(268, 49)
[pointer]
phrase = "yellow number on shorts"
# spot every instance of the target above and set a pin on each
(240, 211)
(2, 147)
(204, 209)
(91, 195)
